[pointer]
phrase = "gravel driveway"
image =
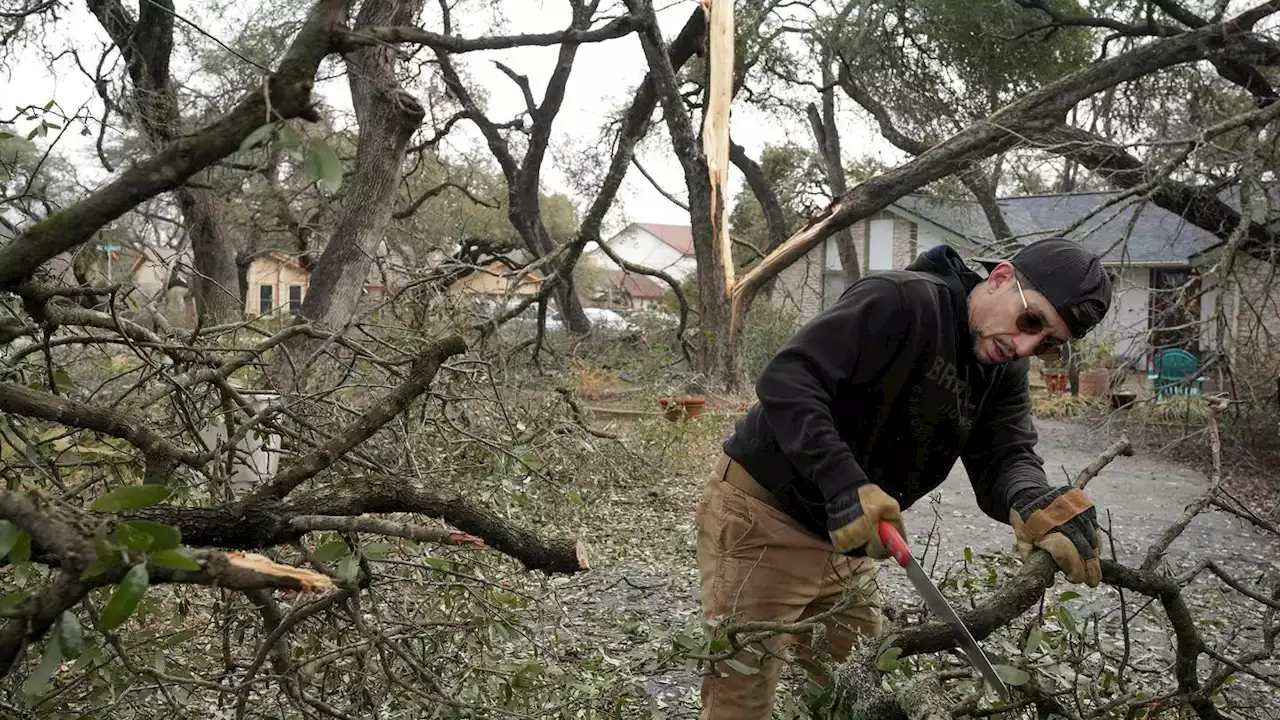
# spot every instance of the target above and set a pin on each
(1144, 494)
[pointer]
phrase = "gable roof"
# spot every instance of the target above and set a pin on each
(635, 284)
(679, 237)
(1128, 232)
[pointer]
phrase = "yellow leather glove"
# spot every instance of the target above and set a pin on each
(1063, 522)
(853, 520)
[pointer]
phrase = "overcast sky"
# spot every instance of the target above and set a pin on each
(603, 79)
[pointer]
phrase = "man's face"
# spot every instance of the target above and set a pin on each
(1010, 320)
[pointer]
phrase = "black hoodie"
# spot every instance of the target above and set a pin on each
(883, 387)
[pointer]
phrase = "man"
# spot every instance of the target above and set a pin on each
(865, 411)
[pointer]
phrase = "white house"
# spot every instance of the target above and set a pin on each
(661, 247)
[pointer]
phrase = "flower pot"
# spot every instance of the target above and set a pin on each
(682, 407)
(1093, 383)
(1055, 380)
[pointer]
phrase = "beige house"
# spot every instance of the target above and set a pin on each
(496, 281)
(275, 283)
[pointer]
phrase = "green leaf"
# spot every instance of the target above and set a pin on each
(742, 668)
(49, 105)
(13, 600)
(1068, 620)
(349, 568)
(131, 498)
(1011, 675)
(289, 139)
(257, 137)
(1034, 638)
(62, 379)
(968, 554)
(323, 166)
(888, 659)
(125, 599)
(9, 534)
(377, 550)
(162, 537)
(1068, 595)
(70, 634)
(174, 560)
(100, 565)
(21, 551)
(39, 678)
(330, 551)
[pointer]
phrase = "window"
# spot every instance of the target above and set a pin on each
(266, 299)
(295, 299)
(880, 245)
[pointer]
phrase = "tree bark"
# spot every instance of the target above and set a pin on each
(215, 277)
(716, 357)
(146, 46)
(827, 136)
(290, 91)
(388, 117)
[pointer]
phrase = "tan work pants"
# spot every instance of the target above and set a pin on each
(758, 563)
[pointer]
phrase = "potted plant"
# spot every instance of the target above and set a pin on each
(1096, 359)
(684, 404)
(1054, 372)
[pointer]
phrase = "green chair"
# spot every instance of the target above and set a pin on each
(1175, 372)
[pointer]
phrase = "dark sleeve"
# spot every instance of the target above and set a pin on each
(852, 341)
(1000, 456)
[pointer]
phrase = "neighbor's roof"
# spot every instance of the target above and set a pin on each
(1155, 235)
(634, 284)
(679, 237)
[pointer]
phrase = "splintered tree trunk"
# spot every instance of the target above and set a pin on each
(388, 117)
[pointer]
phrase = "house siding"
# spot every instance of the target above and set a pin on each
(817, 280)
(1247, 333)
(279, 276)
(799, 287)
(1128, 320)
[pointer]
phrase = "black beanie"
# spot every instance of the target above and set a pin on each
(1070, 277)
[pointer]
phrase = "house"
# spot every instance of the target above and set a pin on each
(1150, 252)
(661, 247)
(496, 285)
(275, 282)
(153, 273)
(625, 290)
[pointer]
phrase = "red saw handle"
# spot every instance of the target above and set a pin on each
(894, 543)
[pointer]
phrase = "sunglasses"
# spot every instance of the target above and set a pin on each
(1032, 322)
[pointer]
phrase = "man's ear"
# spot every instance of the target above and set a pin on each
(998, 276)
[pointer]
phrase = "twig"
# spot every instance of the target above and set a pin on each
(1161, 545)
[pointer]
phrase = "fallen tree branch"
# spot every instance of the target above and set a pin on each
(1029, 116)
(376, 526)
(46, 406)
(382, 412)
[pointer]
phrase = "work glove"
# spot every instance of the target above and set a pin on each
(1063, 522)
(853, 520)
